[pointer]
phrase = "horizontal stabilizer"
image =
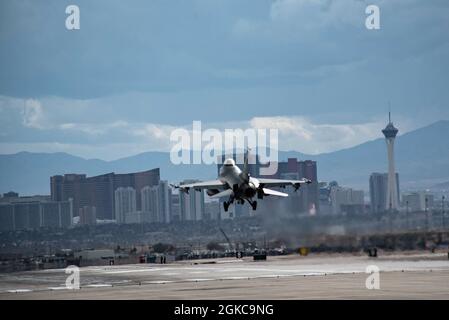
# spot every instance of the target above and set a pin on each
(222, 194)
(274, 193)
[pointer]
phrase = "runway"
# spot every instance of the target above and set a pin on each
(321, 276)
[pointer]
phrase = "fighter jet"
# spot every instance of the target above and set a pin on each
(237, 185)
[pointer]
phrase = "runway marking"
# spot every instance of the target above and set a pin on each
(121, 281)
(271, 276)
(132, 271)
(199, 280)
(57, 288)
(170, 274)
(19, 290)
(235, 278)
(100, 285)
(198, 268)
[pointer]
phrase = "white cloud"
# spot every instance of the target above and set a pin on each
(95, 129)
(305, 135)
(153, 130)
(114, 136)
(295, 133)
(33, 114)
(301, 134)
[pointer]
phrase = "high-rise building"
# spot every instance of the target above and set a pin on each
(7, 217)
(10, 195)
(156, 203)
(324, 197)
(306, 199)
(175, 207)
(21, 213)
(418, 201)
(125, 202)
(69, 186)
(150, 205)
(165, 207)
(390, 133)
(191, 204)
(378, 186)
(133, 217)
(212, 210)
(98, 191)
(345, 199)
(87, 215)
(138, 181)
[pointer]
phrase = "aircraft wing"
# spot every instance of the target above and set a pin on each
(282, 183)
(225, 193)
(269, 192)
(212, 184)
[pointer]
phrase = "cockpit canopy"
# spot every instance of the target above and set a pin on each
(229, 163)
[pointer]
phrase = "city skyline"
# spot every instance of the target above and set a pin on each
(384, 191)
(15, 169)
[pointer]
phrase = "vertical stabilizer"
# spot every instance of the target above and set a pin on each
(245, 165)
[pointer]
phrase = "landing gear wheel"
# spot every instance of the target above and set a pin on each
(254, 205)
(225, 206)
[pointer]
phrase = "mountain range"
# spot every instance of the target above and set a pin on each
(422, 160)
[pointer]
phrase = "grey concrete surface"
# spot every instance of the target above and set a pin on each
(402, 276)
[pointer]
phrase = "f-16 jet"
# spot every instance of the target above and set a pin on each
(238, 186)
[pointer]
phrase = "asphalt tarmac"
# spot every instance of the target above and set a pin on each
(321, 276)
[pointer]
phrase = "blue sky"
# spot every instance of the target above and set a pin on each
(137, 70)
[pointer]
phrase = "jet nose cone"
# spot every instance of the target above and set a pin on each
(229, 162)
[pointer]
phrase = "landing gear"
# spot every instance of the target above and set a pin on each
(226, 208)
(254, 205)
(226, 204)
